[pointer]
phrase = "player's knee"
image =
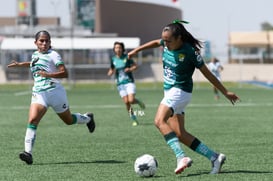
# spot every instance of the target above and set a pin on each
(158, 122)
(131, 101)
(126, 101)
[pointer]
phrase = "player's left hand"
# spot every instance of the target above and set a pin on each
(232, 97)
(42, 73)
(13, 64)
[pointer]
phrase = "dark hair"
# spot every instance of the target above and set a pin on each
(39, 33)
(42, 32)
(177, 29)
(121, 44)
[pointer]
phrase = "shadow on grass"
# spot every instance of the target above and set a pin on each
(246, 171)
(146, 123)
(83, 162)
(229, 172)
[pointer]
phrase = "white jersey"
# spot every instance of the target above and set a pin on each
(215, 68)
(48, 62)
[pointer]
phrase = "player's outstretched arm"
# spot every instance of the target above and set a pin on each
(18, 64)
(229, 95)
(148, 45)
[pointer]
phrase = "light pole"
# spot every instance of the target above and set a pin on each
(268, 46)
(71, 51)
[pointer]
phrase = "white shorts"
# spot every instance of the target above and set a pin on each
(126, 89)
(176, 99)
(55, 98)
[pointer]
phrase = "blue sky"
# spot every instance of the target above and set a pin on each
(209, 19)
(214, 19)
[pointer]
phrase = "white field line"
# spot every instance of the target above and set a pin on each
(22, 93)
(117, 106)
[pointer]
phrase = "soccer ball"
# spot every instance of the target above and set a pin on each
(146, 165)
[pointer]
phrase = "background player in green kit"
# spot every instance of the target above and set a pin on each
(47, 67)
(180, 57)
(123, 67)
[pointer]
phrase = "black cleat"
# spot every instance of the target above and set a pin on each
(26, 157)
(91, 124)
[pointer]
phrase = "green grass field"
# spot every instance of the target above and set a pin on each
(243, 132)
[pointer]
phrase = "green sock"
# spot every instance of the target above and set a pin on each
(206, 151)
(174, 144)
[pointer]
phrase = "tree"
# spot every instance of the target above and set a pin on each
(266, 26)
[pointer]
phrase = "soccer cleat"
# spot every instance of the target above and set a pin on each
(217, 164)
(182, 164)
(26, 157)
(133, 117)
(141, 104)
(91, 124)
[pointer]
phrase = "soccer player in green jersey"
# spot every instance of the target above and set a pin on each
(180, 57)
(123, 67)
(47, 67)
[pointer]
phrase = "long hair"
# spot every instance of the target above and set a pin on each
(177, 29)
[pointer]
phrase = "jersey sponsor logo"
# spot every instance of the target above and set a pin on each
(170, 63)
(35, 60)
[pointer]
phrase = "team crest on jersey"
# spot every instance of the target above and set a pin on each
(124, 60)
(181, 57)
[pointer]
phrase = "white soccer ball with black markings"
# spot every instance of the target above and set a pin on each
(146, 165)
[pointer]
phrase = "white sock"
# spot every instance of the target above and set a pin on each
(30, 139)
(82, 118)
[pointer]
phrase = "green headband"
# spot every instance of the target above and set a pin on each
(180, 21)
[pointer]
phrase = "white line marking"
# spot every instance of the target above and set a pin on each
(22, 93)
(117, 106)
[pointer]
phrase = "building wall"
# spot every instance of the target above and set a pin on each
(154, 73)
(7, 21)
(231, 73)
(11, 21)
(133, 19)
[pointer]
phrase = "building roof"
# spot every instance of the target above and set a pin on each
(68, 43)
(257, 39)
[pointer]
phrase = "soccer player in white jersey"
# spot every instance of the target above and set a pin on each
(123, 69)
(215, 67)
(180, 57)
(47, 67)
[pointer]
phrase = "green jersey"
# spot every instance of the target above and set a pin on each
(179, 65)
(119, 64)
(48, 62)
